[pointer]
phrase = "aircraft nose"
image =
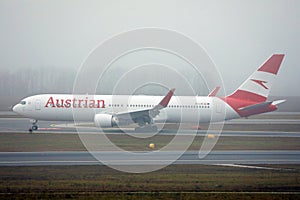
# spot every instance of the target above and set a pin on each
(15, 108)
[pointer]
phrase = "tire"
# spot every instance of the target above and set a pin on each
(34, 127)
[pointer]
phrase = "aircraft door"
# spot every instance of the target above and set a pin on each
(219, 112)
(218, 107)
(38, 104)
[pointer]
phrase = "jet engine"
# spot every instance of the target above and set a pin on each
(105, 120)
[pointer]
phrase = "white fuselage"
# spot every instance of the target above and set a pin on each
(63, 107)
(110, 110)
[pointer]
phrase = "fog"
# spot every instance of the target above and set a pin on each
(43, 44)
(19, 83)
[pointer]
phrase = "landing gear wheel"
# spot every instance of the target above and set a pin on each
(34, 127)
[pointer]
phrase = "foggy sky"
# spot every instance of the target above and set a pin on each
(237, 35)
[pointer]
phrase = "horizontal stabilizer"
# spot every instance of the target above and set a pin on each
(277, 102)
(261, 105)
(256, 106)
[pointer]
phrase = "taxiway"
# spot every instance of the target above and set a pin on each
(20, 125)
(138, 158)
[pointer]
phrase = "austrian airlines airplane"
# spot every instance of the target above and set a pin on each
(117, 110)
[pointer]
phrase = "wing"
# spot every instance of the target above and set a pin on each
(145, 116)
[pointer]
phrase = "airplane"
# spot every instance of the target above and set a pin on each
(250, 98)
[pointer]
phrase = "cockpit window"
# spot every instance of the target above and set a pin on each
(23, 102)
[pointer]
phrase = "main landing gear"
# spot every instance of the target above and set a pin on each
(145, 125)
(34, 126)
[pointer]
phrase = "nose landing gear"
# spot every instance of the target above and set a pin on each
(34, 126)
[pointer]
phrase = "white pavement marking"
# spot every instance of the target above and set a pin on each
(253, 167)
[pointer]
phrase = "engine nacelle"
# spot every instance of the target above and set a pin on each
(105, 120)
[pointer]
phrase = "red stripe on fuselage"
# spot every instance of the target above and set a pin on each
(247, 96)
(235, 104)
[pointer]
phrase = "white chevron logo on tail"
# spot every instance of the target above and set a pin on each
(260, 82)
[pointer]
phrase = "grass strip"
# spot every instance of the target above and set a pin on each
(25, 142)
(172, 179)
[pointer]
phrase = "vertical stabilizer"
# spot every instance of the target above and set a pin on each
(257, 87)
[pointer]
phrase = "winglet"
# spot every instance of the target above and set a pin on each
(165, 101)
(214, 92)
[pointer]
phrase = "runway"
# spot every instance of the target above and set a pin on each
(21, 125)
(119, 158)
(229, 158)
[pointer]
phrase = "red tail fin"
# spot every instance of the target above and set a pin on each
(257, 87)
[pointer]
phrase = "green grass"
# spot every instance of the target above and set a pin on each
(154, 195)
(71, 142)
(173, 181)
(189, 178)
(39, 142)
